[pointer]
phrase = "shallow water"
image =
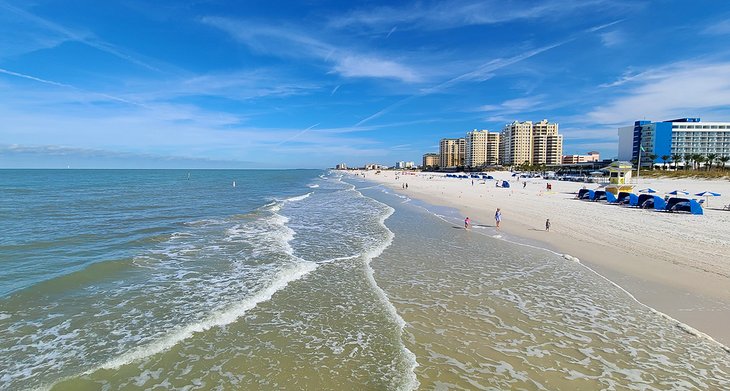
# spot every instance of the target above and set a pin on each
(298, 280)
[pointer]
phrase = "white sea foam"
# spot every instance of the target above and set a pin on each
(216, 319)
(313, 186)
(299, 198)
(411, 382)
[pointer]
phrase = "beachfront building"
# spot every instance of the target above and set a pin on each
(404, 165)
(532, 143)
(481, 148)
(431, 160)
(681, 136)
(341, 166)
(374, 166)
(451, 152)
(592, 156)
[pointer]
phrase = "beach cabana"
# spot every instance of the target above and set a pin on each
(677, 204)
(623, 197)
(582, 193)
(588, 195)
(505, 184)
(610, 198)
(599, 195)
(633, 200)
(648, 201)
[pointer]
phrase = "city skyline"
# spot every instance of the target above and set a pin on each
(217, 85)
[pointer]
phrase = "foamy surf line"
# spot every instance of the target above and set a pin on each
(679, 324)
(217, 319)
(411, 381)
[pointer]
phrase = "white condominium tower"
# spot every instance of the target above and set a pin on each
(482, 148)
(533, 143)
(451, 152)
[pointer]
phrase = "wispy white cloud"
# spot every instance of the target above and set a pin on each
(481, 73)
(458, 13)
(291, 42)
(517, 105)
(718, 28)
(676, 90)
(612, 38)
(52, 34)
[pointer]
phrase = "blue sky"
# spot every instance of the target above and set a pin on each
(265, 84)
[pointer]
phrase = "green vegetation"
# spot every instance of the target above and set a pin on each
(705, 174)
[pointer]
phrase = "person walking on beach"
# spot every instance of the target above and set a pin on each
(547, 225)
(466, 223)
(406, 185)
(524, 184)
(498, 217)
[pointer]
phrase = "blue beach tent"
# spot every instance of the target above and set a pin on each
(599, 195)
(623, 197)
(677, 204)
(648, 201)
(610, 198)
(505, 184)
(583, 194)
(633, 199)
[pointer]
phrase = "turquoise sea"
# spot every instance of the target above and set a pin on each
(302, 279)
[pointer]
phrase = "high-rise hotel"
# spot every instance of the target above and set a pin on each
(533, 143)
(452, 152)
(482, 148)
(673, 137)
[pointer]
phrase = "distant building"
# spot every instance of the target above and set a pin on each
(373, 166)
(431, 160)
(341, 166)
(404, 165)
(592, 156)
(673, 137)
(533, 143)
(481, 148)
(451, 152)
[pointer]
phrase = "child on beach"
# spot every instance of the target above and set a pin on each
(547, 225)
(498, 217)
(466, 223)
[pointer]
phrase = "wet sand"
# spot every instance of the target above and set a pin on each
(676, 263)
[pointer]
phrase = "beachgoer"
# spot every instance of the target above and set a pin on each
(524, 184)
(498, 216)
(472, 182)
(466, 223)
(547, 225)
(406, 185)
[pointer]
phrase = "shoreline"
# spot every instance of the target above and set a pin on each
(692, 293)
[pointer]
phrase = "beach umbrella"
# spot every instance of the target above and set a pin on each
(678, 192)
(707, 195)
(647, 190)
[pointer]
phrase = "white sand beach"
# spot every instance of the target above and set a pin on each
(676, 263)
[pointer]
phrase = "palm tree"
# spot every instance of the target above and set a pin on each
(665, 158)
(676, 158)
(700, 159)
(652, 158)
(710, 159)
(687, 160)
(723, 159)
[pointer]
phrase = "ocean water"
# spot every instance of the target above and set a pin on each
(170, 279)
